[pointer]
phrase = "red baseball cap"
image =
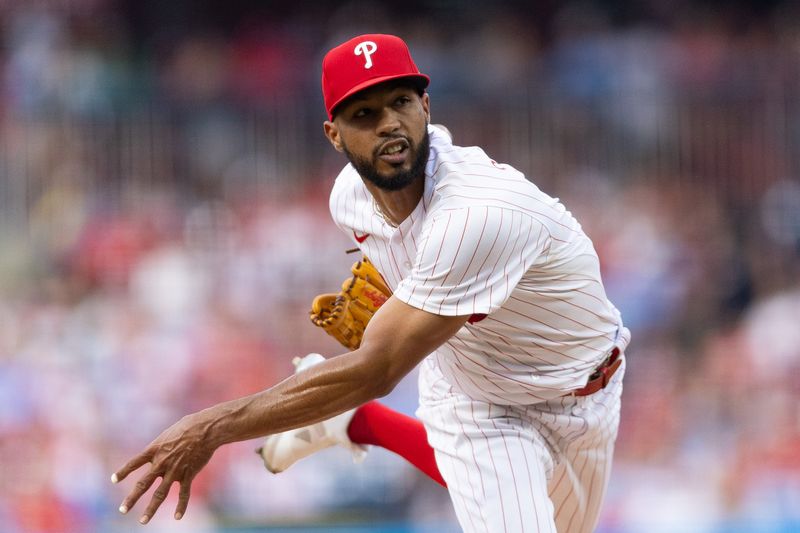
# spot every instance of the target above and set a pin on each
(365, 61)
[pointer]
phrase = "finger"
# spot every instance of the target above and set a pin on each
(133, 464)
(140, 488)
(158, 498)
(183, 498)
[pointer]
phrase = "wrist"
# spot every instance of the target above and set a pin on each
(217, 425)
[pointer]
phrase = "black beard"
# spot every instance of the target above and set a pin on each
(402, 178)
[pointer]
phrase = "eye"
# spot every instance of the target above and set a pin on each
(362, 112)
(402, 100)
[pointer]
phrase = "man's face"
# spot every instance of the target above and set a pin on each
(383, 132)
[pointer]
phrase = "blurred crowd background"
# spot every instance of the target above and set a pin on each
(164, 226)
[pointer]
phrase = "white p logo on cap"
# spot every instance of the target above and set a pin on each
(367, 48)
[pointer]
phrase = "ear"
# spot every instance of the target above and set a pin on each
(332, 133)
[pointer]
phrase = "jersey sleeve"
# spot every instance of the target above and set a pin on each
(470, 259)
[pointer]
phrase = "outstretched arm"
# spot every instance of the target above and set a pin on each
(397, 339)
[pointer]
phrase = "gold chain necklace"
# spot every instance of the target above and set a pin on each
(379, 211)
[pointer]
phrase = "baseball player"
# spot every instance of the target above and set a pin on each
(473, 272)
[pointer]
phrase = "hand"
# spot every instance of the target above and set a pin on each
(178, 454)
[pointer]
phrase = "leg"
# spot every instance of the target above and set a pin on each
(495, 463)
(372, 423)
(582, 432)
(579, 432)
(376, 424)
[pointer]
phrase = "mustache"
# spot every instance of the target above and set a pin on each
(377, 150)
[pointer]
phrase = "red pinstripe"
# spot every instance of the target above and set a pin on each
(510, 467)
(516, 207)
(480, 238)
(490, 317)
(403, 240)
(439, 253)
(533, 356)
(554, 328)
(528, 471)
(564, 301)
(466, 375)
(455, 256)
(498, 350)
(518, 193)
(580, 476)
(435, 386)
(424, 249)
(458, 364)
(494, 468)
(505, 245)
(510, 253)
(474, 458)
(485, 354)
(395, 263)
(591, 493)
(490, 371)
(592, 295)
(488, 254)
(604, 334)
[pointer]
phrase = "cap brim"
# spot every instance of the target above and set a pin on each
(422, 79)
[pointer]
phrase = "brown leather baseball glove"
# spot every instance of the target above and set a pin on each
(345, 316)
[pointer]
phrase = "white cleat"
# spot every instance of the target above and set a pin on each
(282, 450)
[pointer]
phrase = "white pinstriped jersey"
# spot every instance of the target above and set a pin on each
(484, 240)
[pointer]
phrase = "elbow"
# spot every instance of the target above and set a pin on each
(379, 376)
(380, 384)
(384, 388)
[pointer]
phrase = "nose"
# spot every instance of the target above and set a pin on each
(388, 122)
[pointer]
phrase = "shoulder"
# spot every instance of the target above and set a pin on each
(347, 199)
(348, 189)
(466, 177)
(347, 181)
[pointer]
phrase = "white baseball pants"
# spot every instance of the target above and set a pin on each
(540, 468)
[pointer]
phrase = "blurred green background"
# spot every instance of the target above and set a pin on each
(164, 227)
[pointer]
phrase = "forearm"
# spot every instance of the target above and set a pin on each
(315, 394)
(397, 339)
